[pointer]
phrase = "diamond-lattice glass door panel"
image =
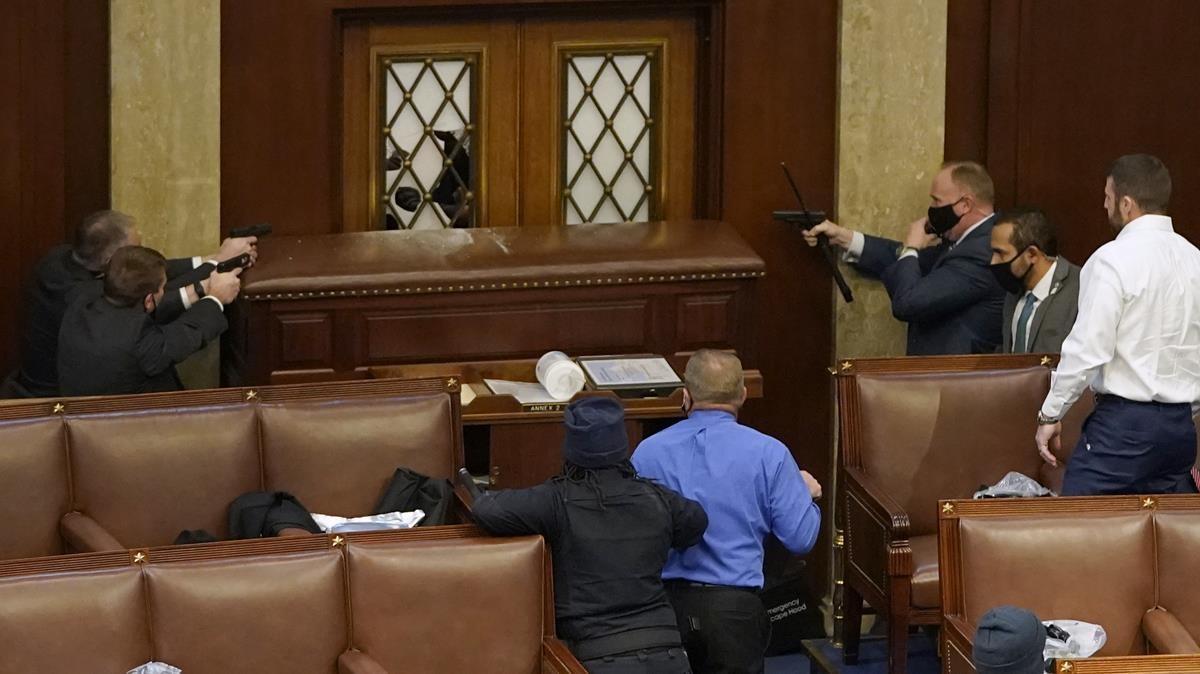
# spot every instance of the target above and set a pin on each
(611, 150)
(427, 139)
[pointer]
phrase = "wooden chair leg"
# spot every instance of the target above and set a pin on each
(900, 588)
(851, 623)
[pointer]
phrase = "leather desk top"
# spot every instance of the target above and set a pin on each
(461, 260)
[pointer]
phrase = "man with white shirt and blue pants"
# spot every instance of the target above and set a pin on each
(750, 486)
(1137, 343)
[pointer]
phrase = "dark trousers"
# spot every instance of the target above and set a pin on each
(725, 630)
(646, 661)
(1130, 447)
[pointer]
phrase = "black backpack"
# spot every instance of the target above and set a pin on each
(410, 490)
(260, 514)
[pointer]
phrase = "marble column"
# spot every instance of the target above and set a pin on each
(891, 130)
(166, 132)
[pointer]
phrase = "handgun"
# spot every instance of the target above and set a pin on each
(233, 263)
(260, 230)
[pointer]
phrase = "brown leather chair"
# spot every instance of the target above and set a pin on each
(913, 431)
(1122, 562)
(110, 473)
(441, 600)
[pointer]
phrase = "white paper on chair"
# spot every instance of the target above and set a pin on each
(332, 524)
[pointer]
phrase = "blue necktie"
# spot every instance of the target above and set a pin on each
(1019, 345)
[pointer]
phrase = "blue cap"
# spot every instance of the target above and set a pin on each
(1009, 640)
(595, 433)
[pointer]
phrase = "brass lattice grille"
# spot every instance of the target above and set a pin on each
(610, 138)
(429, 135)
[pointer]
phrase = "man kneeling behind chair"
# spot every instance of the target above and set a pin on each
(750, 486)
(609, 533)
(110, 344)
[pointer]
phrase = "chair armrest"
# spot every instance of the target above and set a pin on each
(84, 534)
(883, 506)
(357, 662)
(1167, 634)
(556, 657)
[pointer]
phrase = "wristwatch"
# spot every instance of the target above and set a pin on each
(199, 288)
(1044, 420)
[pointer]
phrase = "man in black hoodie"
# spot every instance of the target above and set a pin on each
(609, 533)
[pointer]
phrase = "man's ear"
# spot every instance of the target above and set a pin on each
(687, 397)
(148, 304)
(742, 399)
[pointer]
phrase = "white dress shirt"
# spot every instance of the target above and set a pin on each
(1138, 331)
(1041, 290)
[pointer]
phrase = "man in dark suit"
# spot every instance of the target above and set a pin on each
(71, 269)
(1044, 284)
(111, 343)
(938, 277)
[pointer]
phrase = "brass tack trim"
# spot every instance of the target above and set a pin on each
(947, 508)
(337, 542)
(139, 557)
(1149, 503)
(251, 395)
(59, 408)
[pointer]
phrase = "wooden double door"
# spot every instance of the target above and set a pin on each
(528, 120)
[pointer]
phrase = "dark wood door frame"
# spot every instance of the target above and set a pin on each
(709, 16)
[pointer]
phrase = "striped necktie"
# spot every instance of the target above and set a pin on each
(1019, 345)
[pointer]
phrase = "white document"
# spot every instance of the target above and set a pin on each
(526, 393)
(332, 524)
(630, 371)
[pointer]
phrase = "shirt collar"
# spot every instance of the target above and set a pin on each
(1148, 223)
(1042, 289)
(710, 416)
(971, 229)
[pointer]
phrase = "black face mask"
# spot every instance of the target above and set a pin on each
(942, 218)
(1007, 279)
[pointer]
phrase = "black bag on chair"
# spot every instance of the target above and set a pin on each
(260, 514)
(410, 490)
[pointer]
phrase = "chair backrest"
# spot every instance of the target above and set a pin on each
(437, 600)
(66, 623)
(337, 456)
(146, 476)
(269, 615)
(926, 436)
(451, 606)
(1105, 560)
(148, 466)
(34, 492)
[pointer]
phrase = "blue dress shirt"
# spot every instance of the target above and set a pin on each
(749, 485)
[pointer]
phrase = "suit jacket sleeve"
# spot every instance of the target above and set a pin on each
(178, 266)
(517, 512)
(917, 297)
(878, 254)
(162, 346)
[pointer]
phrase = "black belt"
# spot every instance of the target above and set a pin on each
(625, 642)
(1110, 398)
(711, 586)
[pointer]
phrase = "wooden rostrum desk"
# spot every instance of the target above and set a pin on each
(345, 306)
(520, 446)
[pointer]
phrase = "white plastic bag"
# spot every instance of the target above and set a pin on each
(1014, 484)
(332, 524)
(1085, 639)
(155, 668)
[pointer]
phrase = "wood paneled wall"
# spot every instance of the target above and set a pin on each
(53, 136)
(1049, 93)
(771, 95)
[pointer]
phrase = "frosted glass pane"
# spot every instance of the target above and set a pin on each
(428, 137)
(612, 122)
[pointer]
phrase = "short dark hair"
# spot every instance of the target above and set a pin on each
(99, 235)
(132, 273)
(972, 177)
(1144, 179)
(1030, 227)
